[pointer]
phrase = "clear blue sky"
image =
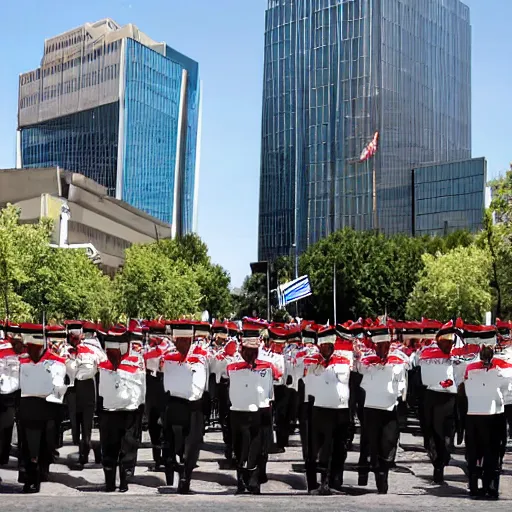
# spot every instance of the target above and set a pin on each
(226, 37)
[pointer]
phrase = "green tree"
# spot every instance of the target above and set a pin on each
(151, 285)
(38, 279)
(452, 285)
(173, 278)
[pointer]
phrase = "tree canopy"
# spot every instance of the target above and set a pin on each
(455, 284)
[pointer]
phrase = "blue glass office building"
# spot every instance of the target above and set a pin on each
(122, 109)
(448, 197)
(336, 72)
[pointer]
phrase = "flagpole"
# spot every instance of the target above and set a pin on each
(374, 179)
(334, 291)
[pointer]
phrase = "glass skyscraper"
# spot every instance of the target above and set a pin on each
(448, 197)
(122, 109)
(336, 72)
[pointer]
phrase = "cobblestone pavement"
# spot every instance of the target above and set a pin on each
(410, 485)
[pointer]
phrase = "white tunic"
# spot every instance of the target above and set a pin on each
(186, 377)
(328, 382)
(250, 389)
(44, 379)
(122, 389)
(436, 368)
(383, 382)
(485, 387)
(9, 369)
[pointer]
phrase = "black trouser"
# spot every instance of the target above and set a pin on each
(267, 437)
(304, 414)
(224, 414)
(508, 416)
(293, 410)
(38, 424)
(183, 436)
(356, 404)
(247, 446)
(330, 431)
(381, 432)
(7, 417)
(280, 409)
(439, 426)
(81, 400)
(155, 412)
(485, 439)
(119, 439)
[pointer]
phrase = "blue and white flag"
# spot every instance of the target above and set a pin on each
(294, 291)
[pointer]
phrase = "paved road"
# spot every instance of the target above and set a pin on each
(410, 486)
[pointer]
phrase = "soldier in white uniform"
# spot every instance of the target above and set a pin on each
(308, 349)
(185, 373)
(226, 342)
(437, 374)
(157, 346)
(485, 383)
(274, 354)
(42, 375)
(82, 366)
(505, 352)
(327, 385)
(121, 390)
(384, 382)
(250, 393)
(9, 389)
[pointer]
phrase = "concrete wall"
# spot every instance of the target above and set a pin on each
(110, 225)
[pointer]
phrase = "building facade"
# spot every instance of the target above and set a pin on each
(448, 197)
(121, 109)
(92, 218)
(336, 72)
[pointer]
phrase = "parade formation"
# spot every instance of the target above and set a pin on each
(262, 380)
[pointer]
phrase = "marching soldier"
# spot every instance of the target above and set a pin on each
(485, 382)
(82, 366)
(42, 375)
(327, 386)
(157, 347)
(437, 374)
(10, 349)
(505, 353)
(309, 348)
(250, 393)
(278, 336)
(185, 375)
(226, 340)
(121, 390)
(384, 381)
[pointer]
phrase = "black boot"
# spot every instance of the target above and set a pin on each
(96, 448)
(123, 479)
(262, 473)
(110, 479)
(253, 483)
(336, 481)
(184, 480)
(32, 482)
(474, 491)
(157, 457)
(324, 489)
(493, 488)
(170, 467)
(438, 476)
(240, 483)
(311, 479)
(83, 457)
(362, 480)
(381, 478)
(44, 472)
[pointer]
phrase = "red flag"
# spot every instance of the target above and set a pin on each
(370, 150)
